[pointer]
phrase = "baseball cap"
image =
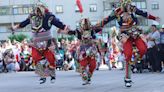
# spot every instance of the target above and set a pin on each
(163, 26)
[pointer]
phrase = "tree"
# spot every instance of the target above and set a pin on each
(17, 37)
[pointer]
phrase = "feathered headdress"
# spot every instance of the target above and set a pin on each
(125, 2)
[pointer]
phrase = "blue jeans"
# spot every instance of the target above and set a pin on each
(10, 67)
(1, 67)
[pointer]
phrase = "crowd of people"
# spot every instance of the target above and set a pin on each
(16, 56)
(155, 41)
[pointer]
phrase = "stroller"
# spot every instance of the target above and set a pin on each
(138, 65)
(59, 61)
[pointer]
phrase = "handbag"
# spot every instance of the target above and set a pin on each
(17, 67)
(158, 47)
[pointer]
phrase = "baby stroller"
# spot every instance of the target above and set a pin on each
(138, 65)
(59, 61)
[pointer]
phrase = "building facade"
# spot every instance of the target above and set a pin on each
(15, 11)
(153, 7)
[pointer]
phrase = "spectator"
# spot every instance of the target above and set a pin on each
(162, 46)
(26, 61)
(69, 62)
(59, 61)
(9, 60)
(1, 60)
(98, 58)
(107, 60)
(1, 66)
(121, 60)
(153, 55)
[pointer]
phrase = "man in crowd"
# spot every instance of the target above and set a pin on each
(153, 52)
(162, 45)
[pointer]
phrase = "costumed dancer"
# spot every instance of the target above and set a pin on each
(127, 20)
(87, 50)
(41, 21)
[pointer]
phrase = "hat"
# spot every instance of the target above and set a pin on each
(163, 26)
(41, 7)
(125, 2)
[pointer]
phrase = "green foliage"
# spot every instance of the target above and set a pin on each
(70, 38)
(17, 37)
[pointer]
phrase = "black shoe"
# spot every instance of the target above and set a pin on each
(86, 83)
(40, 79)
(89, 79)
(128, 82)
(43, 80)
(53, 79)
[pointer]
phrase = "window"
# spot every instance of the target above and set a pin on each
(155, 6)
(30, 9)
(4, 10)
(143, 5)
(140, 4)
(20, 10)
(15, 11)
(59, 9)
(133, 3)
(93, 8)
(25, 10)
(3, 29)
(106, 5)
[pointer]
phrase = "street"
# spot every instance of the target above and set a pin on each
(70, 81)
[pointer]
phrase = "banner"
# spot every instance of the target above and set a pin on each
(79, 6)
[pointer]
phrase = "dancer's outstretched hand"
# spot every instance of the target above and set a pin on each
(12, 30)
(157, 19)
(59, 30)
(65, 31)
(96, 27)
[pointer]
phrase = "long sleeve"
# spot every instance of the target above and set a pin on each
(71, 32)
(144, 14)
(98, 30)
(24, 23)
(76, 33)
(94, 31)
(106, 20)
(93, 34)
(57, 23)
